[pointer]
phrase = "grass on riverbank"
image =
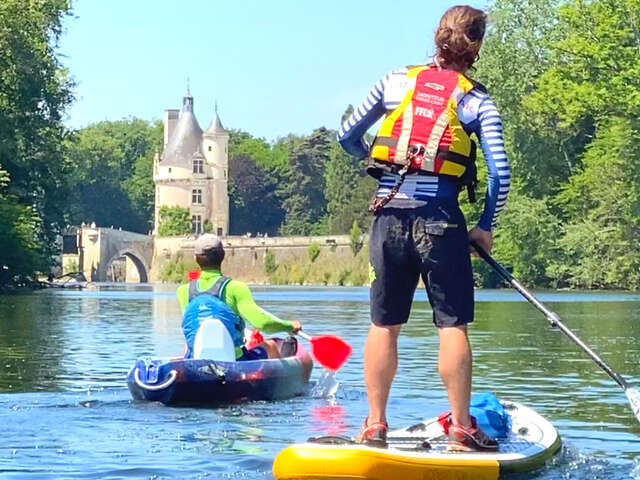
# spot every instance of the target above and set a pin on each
(318, 268)
(325, 269)
(176, 269)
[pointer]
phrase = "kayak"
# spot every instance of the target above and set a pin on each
(211, 382)
(420, 452)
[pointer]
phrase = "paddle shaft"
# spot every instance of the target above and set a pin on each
(304, 335)
(552, 317)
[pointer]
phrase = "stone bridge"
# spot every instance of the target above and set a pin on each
(99, 247)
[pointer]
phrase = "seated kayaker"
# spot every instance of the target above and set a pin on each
(214, 296)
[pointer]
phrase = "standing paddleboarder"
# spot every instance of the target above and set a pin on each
(423, 157)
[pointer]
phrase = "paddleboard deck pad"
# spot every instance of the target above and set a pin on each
(419, 452)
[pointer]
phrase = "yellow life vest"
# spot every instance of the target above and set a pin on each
(423, 133)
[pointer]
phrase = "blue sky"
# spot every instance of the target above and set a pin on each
(274, 66)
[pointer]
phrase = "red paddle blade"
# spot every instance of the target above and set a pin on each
(331, 352)
(194, 274)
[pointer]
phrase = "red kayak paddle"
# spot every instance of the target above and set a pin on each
(329, 351)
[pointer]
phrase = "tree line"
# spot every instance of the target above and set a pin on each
(565, 76)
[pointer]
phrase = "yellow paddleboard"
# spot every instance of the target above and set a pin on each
(420, 452)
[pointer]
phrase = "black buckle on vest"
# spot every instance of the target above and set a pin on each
(414, 152)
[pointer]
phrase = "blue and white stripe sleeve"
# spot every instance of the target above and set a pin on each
(499, 174)
(368, 112)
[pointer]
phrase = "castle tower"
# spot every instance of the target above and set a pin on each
(191, 172)
(215, 146)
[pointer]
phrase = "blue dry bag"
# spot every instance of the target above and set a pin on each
(491, 416)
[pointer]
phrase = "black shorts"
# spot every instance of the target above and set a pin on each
(429, 241)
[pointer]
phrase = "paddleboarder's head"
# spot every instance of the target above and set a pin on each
(459, 37)
(209, 251)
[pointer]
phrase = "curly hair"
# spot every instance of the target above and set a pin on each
(459, 35)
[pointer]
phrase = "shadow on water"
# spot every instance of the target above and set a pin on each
(66, 413)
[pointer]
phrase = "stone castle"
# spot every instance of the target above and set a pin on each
(192, 173)
(192, 170)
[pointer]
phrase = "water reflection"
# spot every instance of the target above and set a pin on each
(64, 356)
(329, 419)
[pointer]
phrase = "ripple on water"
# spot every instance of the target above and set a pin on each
(65, 355)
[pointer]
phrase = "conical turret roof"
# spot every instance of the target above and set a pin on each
(187, 136)
(215, 128)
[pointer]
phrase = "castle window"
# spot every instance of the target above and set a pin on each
(209, 147)
(196, 196)
(225, 174)
(198, 165)
(220, 232)
(196, 224)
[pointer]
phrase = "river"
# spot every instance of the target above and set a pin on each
(65, 411)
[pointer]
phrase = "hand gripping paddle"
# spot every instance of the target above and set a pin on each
(633, 394)
(329, 351)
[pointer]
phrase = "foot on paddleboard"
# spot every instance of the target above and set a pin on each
(373, 435)
(470, 439)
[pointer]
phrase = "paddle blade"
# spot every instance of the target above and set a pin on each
(194, 274)
(633, 394)
(330, 351)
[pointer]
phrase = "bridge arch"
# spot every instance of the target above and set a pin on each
(99, 247)
(136, 257)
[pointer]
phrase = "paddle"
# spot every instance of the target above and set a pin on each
(633, 394)
(329, 351)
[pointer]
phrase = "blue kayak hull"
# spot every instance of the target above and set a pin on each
(208, 382)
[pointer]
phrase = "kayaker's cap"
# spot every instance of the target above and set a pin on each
(207, 242)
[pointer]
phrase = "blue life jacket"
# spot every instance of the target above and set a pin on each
(209, 304)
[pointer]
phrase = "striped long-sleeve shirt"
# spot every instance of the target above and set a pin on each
(478, 115)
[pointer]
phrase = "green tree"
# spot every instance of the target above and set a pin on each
(114, 160)
(35, 90)
(526, 239)
(514, 56)
(140, 187)
(602, 200)
(173, 221)
(264, 155)
(355, 238)
(257, 185)
(19, 231)
(589, 96)
(564, 75)
(254, 204)
(305, 203)
(344, 175)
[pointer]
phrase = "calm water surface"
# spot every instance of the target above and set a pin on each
(65, 411)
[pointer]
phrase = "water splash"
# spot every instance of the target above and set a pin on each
(326, 386)
(633, 394)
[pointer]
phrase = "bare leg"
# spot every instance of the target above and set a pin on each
(454, 365)
(271, 347)
(380, 364)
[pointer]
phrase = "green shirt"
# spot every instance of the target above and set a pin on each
(237, 295)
